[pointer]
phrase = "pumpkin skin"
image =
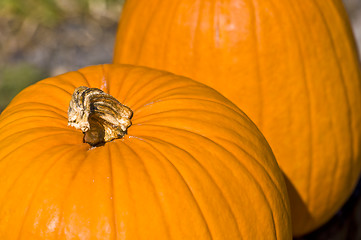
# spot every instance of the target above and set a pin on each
(291, 66)
(192, 166)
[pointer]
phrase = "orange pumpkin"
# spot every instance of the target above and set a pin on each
(191, 166)
(292, 66)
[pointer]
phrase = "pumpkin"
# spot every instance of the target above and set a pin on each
(191, 165)
(291, 66)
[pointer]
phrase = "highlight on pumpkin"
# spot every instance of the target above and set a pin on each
(101, 117)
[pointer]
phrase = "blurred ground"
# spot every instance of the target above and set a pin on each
(353, 7)
(65, 35)
(57, 36)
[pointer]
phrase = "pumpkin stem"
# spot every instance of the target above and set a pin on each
(100, 116)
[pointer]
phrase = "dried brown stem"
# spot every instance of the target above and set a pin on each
(101, 117)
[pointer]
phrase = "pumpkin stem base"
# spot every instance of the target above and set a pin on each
(100, 116)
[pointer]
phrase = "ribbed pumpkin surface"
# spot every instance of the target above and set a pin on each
(291, 66)
(192, 165)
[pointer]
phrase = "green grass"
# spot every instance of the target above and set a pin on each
(15, 78)
(50, 12)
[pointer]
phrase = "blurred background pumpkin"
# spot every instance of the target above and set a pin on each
(293, 68)
(46, 39)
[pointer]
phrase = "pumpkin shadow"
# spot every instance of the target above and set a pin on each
(345, 224)
(301, 211)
